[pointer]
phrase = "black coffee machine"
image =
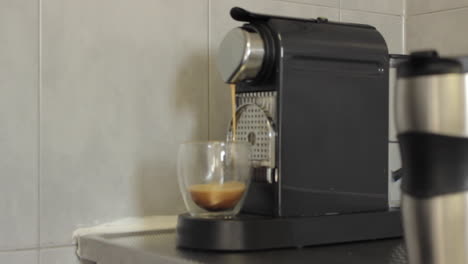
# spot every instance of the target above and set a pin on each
(312, 99)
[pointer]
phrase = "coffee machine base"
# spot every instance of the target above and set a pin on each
(249, 232)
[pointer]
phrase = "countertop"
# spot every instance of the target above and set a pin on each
(160, 247)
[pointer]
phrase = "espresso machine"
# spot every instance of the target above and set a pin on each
(432, 124)
(312, 100)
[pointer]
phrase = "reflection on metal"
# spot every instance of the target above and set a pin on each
(433, 104)
(436, 229)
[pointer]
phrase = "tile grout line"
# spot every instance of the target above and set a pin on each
(12, 250)
(403, 32)
(339, 7)
(18, 249)
(39, 130)
(371, 12)
(306, 4)
(404, 8)
(339, 10)
(440, 11)
(57, 246)
(208, 68)
(403, 25)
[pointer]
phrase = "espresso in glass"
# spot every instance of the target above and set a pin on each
(214, 177)
(217, 197)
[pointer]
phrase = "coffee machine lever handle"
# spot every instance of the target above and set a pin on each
(243, 15)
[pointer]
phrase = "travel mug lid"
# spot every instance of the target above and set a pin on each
(422, 63)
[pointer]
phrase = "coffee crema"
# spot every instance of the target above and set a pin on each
(217, 197)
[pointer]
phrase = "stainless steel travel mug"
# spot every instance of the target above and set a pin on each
(431, 112)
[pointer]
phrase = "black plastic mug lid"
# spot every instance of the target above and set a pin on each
(429, 62)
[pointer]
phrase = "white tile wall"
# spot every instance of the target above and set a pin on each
(19, 257)
(427, 6)
(390, 26)
(123, 83)
(18, 124)
(63, 255)
(331, 3)
(394, 7)
(444, 31)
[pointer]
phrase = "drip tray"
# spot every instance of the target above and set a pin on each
(253, 232)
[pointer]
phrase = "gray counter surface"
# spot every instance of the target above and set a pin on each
(159, 247)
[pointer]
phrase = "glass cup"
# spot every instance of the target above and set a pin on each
(214, 177)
